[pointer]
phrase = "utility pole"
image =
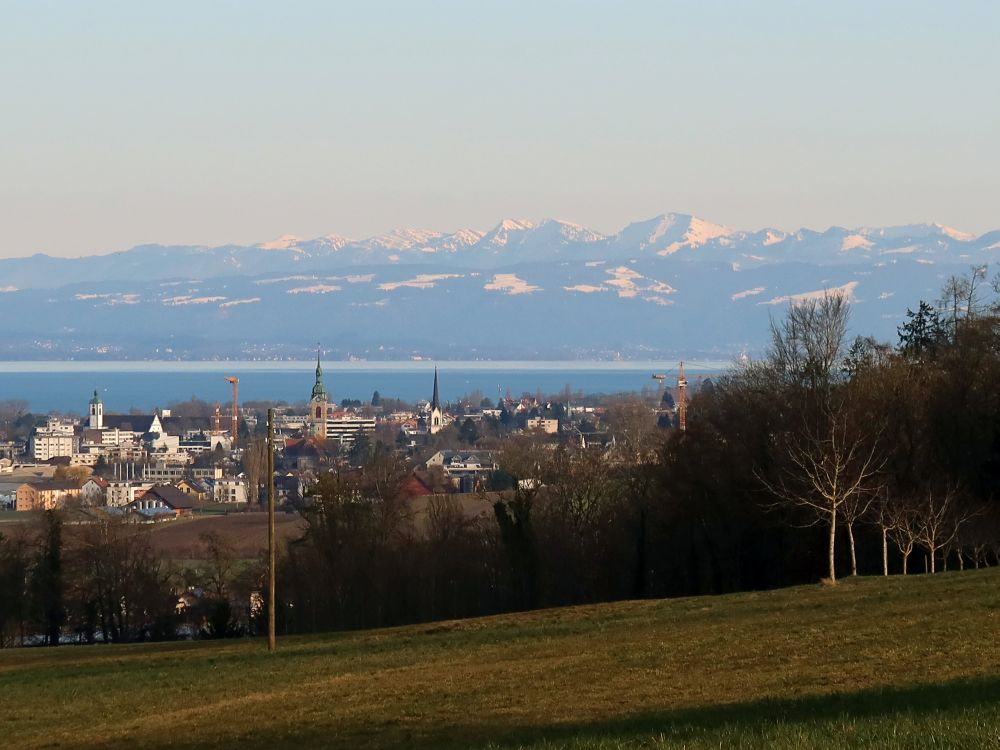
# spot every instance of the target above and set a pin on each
(681, 399)
(271, 542)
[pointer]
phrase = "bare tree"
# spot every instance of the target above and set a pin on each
(116, 574)
(633, 425)
(960, 297)
(903, 528)
(854, 508)
(255, 467)
(882, 518)
(221, 562)
(940, 516)
(828, 467)
(807, 346)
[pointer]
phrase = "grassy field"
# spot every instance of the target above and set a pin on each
(898, 663)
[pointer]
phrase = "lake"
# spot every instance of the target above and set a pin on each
(68, 386)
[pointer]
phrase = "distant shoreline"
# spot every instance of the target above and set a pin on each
(42, 366)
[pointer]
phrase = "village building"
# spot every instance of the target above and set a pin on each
(45, 495)
(164, 500)
(94, 491)
(467, 470)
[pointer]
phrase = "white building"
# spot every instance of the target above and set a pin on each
(57, 438)
(121, 492)
(230, 490)
(548, 426)
(345, 428)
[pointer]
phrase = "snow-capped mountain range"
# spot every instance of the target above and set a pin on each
(670, 285)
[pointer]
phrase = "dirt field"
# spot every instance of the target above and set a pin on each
(247, 532)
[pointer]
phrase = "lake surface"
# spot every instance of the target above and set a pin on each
(68, 386)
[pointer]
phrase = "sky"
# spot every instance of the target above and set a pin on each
(125, 123)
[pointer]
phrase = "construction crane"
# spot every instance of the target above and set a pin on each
(659, 378)
(236, 406)
(681, 399)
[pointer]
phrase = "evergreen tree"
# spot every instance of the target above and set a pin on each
(922, 334)
(468, 433)
(361, 450)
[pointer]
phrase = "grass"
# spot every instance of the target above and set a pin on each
(898, 663)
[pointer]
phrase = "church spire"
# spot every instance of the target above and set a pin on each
(435, 399)
(319, 390)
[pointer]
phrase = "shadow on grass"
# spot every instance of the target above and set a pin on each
(753, 718)
(738, 723)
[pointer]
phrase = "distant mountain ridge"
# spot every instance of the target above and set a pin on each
(510, 241)
(670, 286)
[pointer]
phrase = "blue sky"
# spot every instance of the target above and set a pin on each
(125, 122)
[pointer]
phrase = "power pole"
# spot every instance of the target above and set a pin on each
(271, 542)
(681, 399)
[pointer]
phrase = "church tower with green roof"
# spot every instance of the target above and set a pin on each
(96, 412)
(318, 404)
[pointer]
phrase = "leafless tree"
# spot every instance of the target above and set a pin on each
(903, 528)
(115, 572)
(940, 516)
(577, 488)
(633, 425)
(853, 509)
(220, 559)
(255, 467)
(807, 346)
(961, 297)
(882, 518)
(828, 467)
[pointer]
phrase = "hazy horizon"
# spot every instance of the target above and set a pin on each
(236, 123)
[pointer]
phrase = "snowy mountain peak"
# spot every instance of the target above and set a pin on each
(284, 242)
(667, 233)
(331, 242)
(467, 236)
(509, 225)
(916, 231)
(458, 240)
(569, 231)
(955, 234)
(507, 232)
(700, 231)
(404, 239)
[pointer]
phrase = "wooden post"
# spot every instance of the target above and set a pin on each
(271, 542)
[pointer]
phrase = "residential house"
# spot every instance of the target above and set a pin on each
(164, 500)
(94, 491)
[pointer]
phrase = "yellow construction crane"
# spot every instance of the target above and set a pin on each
(236, 406)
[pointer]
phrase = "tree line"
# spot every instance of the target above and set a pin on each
(105, 581)
(823, 458)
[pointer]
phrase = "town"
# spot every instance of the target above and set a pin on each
(197, 458)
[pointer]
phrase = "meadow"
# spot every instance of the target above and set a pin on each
(878, 663)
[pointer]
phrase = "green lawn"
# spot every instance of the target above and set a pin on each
(898, 663)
